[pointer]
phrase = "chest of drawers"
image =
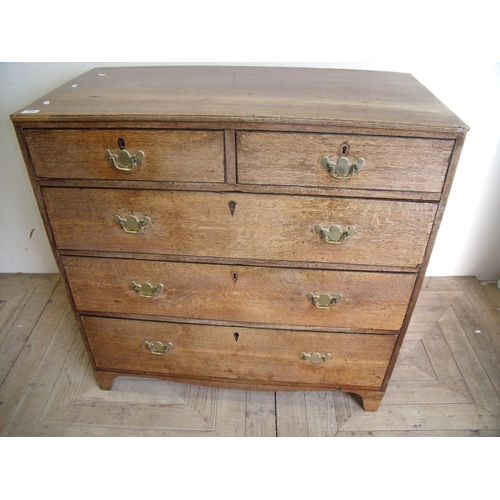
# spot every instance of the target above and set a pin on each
(251, 228)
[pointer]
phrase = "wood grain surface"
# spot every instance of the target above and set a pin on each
(254, 137)
(242, 94)
(212, 352)
(392, 163)
(240, 293)
(170, 155)
(262, 227)
(50, 389)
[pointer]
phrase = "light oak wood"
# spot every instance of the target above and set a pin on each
(265, 227)
(104, 379)
(255, 137)
(230, 152)
(246, 94)
(295, 160)
(333, 192)
(170, 155)
(240, 293)
(371, 399)
(241, 354)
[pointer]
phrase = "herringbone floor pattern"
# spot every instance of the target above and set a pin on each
(446, 382)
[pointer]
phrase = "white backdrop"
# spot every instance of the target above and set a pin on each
(468, 243)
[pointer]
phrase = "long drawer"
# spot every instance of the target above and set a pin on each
(294, 159)
(278, 296)
(273, 356)
(170, 155)
(258, 226)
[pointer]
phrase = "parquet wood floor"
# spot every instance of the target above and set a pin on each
(446, 381)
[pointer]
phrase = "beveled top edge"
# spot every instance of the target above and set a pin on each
(243, 94)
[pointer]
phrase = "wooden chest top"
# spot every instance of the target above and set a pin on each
(246, 94)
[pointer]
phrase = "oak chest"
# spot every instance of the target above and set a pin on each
(253, 228)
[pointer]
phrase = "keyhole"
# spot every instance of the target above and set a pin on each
(236, 336)
(121, 143)
(235, 277)
(344, 150)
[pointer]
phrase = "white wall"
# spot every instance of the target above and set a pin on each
(469, 240)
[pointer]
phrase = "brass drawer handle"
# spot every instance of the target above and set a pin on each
(132, 224)
(335, 235)
(344, 168)
(158, 347)
(325, 300)
(147, 290)
(124, 161)
(315, 357)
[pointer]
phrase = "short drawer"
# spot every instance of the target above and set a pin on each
(263, 227)
(243, 294)
(170, 155)
(295, 159)
(242, 354)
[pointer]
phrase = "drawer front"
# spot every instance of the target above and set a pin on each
(375, 301)
(294, 159)
(188, 156)
(239, 353)
(389, 233)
